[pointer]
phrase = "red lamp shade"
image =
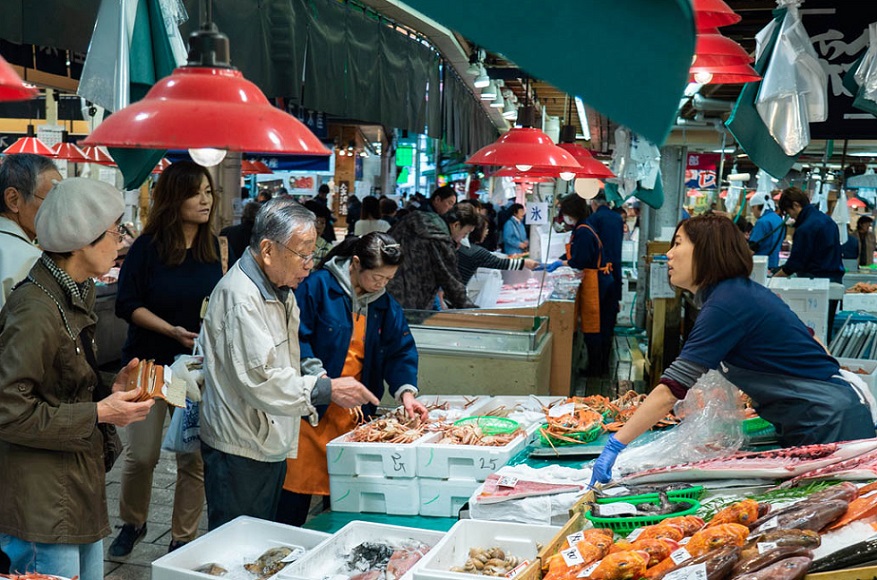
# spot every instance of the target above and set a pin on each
(694, 193)
(525, 147)
(29, 144)
(855, 203)
(263, 169)
(12, 88)
(714, 14)
(723, 75)
(161, 166)
(247, 168)
(98, 155)
(70, 152)
(591, 168)
(713, 49)
(206, 107)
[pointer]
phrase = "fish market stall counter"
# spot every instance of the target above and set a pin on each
(469, 352)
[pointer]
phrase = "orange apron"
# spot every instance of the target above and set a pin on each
(588, 296)
(309, 473)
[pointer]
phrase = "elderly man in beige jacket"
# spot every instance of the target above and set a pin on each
(25, 180)
(254, 391)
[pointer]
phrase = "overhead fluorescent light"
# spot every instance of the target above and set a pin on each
(583, 117)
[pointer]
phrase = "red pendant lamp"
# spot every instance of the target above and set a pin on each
(261, 167)
(247, 168)
(206, 104)
(713, 14)
(525, 148)
(12, 88)
(161, 166)
(29, 144)
(723, 75)
(69, 151)
(718, 59)
(98, 155)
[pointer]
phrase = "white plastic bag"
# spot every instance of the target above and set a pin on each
(841, 216)
(794, 92)
(183, 432)
(190, 369)
(712, 413)
(483, 288)
(866, 74)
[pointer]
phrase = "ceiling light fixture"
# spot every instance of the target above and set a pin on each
(482, 80)
(98, 155)
(68, 151)
(12, 88)
(29, 144)
(489, 92)
(206, 104)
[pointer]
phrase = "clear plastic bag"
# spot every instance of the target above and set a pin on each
(794, 92)
(866, 74)
(483, 288)
(711, 414)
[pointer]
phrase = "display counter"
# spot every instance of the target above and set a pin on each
(498, 354)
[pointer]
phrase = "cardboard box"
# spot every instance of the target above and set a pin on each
(240, 541)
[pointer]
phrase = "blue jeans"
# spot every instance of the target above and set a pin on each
(68, 560)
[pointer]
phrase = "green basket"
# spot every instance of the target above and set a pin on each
(695, 492)
(757, 428)
(623, 526)
(491, 425)
(582, 436)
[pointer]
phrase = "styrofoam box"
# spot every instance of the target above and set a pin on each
(326, 560)
(759, 270)
(854, 365)
(375, 494)
(470, 462)
(240, 541)
(443, 498)
(808, 298)
(863, 302)
(518, 540)
(525, 410)
(346, 457)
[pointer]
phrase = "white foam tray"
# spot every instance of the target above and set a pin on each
(374, 494)
(327, 559)
(240, 541)
(459, 406)
(516, 539)
(469, 462)
(393, 459)
(443, 498)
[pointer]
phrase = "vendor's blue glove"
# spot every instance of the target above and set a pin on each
(554, 265)
(602, 470)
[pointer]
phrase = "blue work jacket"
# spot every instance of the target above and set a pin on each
(815, 247)
(327, 326)
(609, 225)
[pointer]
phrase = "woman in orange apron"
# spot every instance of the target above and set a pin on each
(596, 310)
(350, 326)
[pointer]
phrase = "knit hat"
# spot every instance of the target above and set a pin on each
(76, 212)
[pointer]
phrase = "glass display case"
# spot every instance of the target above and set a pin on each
(499, 334)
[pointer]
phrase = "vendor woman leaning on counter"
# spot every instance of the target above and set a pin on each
(756, 341)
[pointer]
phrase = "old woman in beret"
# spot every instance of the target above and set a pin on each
(54, 408)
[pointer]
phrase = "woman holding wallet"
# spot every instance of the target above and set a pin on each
(350, 327)
(53, 410)
(168, 273)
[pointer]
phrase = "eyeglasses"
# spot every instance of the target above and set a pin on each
(305, 258)
(119, 231)
(40, 197)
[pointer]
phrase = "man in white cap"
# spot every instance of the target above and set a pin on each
(769, 230)
(54, 408)
(25, 180)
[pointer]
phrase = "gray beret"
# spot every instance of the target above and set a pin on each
(76, 212)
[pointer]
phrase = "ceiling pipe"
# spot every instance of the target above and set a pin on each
(702, 103)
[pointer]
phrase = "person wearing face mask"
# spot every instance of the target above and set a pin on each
(757, 342)
(350, 327)
(429, 246)
(25, 180)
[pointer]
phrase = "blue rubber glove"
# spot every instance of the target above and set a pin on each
(602, 470)
(554, 265)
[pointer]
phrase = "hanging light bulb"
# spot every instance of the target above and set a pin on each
(703, 78)
(523, 167)
(207, 156)
(482, 80)
(498, 102)
(567, 175)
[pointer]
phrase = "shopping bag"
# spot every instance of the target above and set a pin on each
(483, 288)
(182, 434)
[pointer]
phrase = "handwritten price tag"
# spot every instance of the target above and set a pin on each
(572, 557)
(684, 540)
(618, 508)
(680, 555)
(766, 547)
(575, 538)
(696, 572)
(613, 491)
(507, 481)
(770, 524)
(517, 569)
(589, 570)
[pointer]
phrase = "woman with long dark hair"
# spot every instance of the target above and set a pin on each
(168, 273)
(350, 326)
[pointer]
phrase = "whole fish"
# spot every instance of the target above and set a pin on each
(767, 558)
(845, 491)
(810, 516)
(782, 538)
(789, 569)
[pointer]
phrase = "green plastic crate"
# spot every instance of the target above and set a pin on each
(491, 425)
(623, 526)
(695, 492)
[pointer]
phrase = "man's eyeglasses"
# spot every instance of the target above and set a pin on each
(305, 258)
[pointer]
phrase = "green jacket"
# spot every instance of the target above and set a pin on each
(51, 452)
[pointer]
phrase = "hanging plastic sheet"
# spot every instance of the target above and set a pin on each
(841, 216)
(764, 189)
(794, 92)
(866, 73)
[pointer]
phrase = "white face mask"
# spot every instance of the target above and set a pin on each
(569, 221)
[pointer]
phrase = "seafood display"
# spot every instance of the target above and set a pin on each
(381, 560)
(497, 489)
(664, 506)
(622, 491)
(273, 561)
(488, 562)
(395, 427)
(862, 467)
(774, 464)
(572, 421)
(212, 569)
(472, 434)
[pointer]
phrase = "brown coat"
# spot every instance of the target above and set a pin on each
(51, 452)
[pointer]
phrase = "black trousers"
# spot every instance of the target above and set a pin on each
(294, 507)
(237, 486)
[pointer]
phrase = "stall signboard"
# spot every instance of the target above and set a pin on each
(700, 170)
(303, 184)
(313, 120)
(343, 195)
(839, 33)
